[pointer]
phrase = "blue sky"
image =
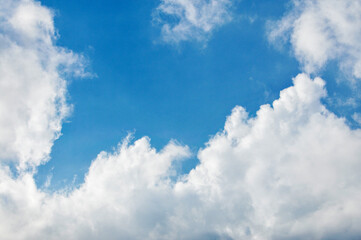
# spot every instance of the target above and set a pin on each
(146, 86)
(180, 119)
(180, 91)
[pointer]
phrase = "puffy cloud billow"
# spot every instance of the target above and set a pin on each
(290, 172)
(32, 90)
(323, 30)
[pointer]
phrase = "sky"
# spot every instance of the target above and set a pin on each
(150, 88)
(180, 119)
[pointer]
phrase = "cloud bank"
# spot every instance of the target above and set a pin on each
(182, 20)
(321, 31)
(290, 172)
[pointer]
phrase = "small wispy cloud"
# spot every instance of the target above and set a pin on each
(357, 118)
(320, 31)
(184, 20)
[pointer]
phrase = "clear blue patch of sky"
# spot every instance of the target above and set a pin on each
(157, 90)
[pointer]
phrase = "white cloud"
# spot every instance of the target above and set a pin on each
(323, 30)
(291, 172)
(125, 195)
(183, 20)
(357, 118)
(32, 91)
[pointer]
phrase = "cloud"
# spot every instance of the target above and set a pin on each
(357, 118)
(125, 195)
(285, 174)
(32, 89)
(291, 172)
(183, 20)
(321, 31)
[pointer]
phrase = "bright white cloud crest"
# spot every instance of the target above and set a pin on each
(323, 30)
(290, 172)
(183, 20)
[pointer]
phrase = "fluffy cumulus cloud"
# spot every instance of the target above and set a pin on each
(182, 20)
(323, 30)
(32, 91)
(290, 172)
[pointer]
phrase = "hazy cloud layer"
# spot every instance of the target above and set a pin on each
(182, 20)
(320, 31)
